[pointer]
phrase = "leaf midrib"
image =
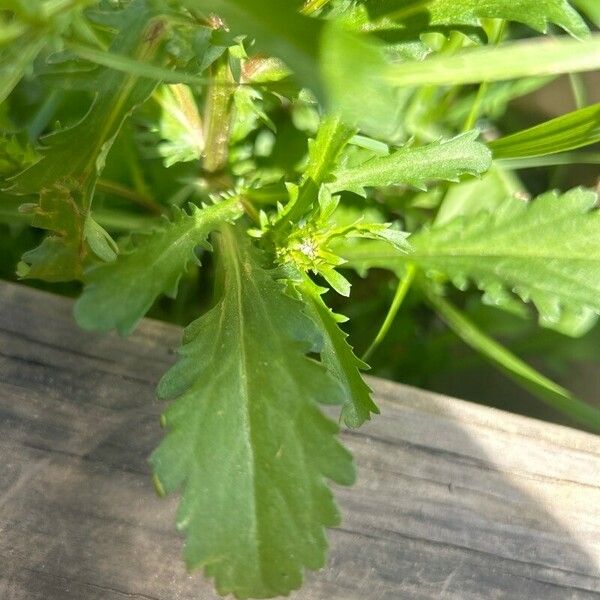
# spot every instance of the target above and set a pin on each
(235, 261)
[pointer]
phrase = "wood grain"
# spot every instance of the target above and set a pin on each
(454, 500)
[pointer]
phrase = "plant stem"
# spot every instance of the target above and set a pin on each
(551, 393)
(112, 187)
(564, 158)
(218, 116)
(401, 291)
(579, 90)
(475, 111)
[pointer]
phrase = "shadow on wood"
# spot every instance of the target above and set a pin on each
(453, 500)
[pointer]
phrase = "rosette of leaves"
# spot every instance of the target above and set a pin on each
(242, 156)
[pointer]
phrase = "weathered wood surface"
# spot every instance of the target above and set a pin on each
(453, 500)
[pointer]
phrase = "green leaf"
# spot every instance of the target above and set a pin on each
(473, 196)
(323, 154)
(417, 166)
(69, 168)
(351, 67)
(567, 132)
(16, 59)
(537, 14)
(118, 294)
(591, 8)
(138, 67)
(529, 58)
(59, 256)
(180, 125)
(544, 251)
(339, 358)
(246, 440)
(279, 30)
(25, 29)
(552, 393)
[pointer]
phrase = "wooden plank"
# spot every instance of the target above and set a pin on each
(454, 500)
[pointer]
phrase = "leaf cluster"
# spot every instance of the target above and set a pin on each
(252, 160)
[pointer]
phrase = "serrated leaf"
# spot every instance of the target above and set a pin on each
(417, 166)
(118, 294)
(323, 154)
(68, 165)
(567, 132)
(537, 14)
(338, 356)
(245, 438)
(180, 126)
(544, 252)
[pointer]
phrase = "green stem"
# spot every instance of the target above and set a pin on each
(549, 392)
(475, 111)
(579, 90)
(476, 107)
(401, 291)
(564, 158)
(218, 116)
(112, 187)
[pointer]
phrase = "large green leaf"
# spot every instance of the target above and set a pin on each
(567, 132)
(364, 85)
(473, 196)
(528, 58)
(545, 251)
(538, 14)
(352, 68)
(245, 437)
(118, 294)
(446, 160)
(72, 159)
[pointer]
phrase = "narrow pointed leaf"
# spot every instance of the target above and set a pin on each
(323, 154)
(553, 394)
(338, 356)
(417, 166)
(567, 132)
(118, 294)
(245, 438)
(591, 8)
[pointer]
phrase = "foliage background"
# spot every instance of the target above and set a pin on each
(419, 349)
